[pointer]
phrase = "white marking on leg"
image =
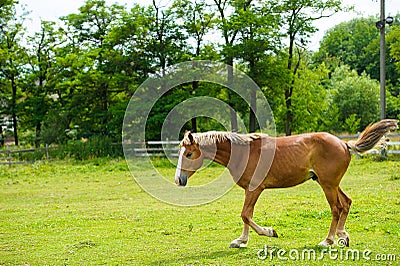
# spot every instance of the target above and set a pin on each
(179, 166)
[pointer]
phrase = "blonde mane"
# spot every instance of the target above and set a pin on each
(214, 137)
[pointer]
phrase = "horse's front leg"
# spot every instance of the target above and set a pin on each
(247, 215)
(241, 242)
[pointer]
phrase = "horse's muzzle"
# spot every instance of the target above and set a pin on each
(183, 180)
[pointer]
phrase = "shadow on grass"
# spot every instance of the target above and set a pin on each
(191, 259)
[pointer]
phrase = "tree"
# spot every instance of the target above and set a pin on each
(198, 20)
(310, 98)
(69, 67)
(257, 39)
(165, 42)
(131, 38)
(229, 30)
(166, 45)
(39, 82)
(102, 78)
(356, 44)
(356, 97)
(394, 40)
(247, 28)
(393, 103)
(5, 7)
(12, 59)
(297, 19)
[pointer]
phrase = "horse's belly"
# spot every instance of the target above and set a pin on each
(287, 180)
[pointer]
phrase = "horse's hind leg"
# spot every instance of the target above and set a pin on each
(331, 194)
(340, 230)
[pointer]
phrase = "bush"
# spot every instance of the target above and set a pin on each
(95, 147)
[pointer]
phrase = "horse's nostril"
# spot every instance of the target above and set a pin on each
(183, 180)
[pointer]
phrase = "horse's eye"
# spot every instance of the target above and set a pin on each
(188, 155)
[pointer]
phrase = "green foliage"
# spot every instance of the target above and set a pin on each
(310, 99)
(352, 124)
(393, 105)
(13, 58)
(331, 118)
(76, 149)
(296, 20)
(356, 44)
(84, 149)
(393, 39)
(354, 95)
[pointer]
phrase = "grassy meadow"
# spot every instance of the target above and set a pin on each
(94, 213)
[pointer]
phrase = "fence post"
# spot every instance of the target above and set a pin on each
(166, 148)
(384, 148)
(47, 152)
(9, 155)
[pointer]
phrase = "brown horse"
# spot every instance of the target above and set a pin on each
(257, 162)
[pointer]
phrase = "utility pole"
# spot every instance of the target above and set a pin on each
(382, 74)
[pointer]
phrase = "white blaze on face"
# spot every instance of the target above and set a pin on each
(179, 166)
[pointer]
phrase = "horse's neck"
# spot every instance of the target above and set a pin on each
(219, 153)
(230, 156)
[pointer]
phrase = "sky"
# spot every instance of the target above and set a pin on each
(53, 9)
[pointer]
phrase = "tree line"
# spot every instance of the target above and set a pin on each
(74, 78)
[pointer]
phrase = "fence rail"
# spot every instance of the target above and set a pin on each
(156, 148)
(8, 160)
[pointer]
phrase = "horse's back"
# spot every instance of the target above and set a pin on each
(326, 144)
(320, 141)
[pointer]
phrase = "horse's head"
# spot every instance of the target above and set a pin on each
(190, 159)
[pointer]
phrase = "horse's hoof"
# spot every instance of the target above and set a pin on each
(343, 242)
(325, 243)
(274, 233)
(238, 244)
(234, 245)
(269, 231)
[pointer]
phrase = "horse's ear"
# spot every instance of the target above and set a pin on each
(189, 135)
(191, 138)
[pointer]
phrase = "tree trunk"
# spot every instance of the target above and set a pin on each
(104, 99)
(195, 85)
(14, 110)
(234, 122)
(253, 110)
(37, 136)
(1, 136)
(253, 100)
(289, 90)
(194, 125)
(289, 113)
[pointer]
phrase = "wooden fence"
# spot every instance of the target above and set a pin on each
(156, 148)
(8, 158)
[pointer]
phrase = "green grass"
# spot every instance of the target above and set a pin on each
(93, 212)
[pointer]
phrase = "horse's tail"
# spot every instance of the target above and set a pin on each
(372, 135)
